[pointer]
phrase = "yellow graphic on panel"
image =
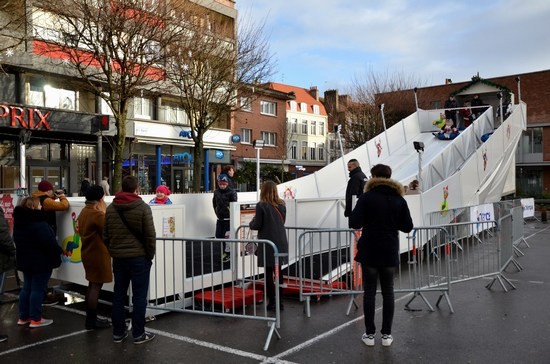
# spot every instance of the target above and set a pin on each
(71, 245)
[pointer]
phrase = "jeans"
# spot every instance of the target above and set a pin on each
(222, 227)
(370, 280)
(134, 270)
(32, 294)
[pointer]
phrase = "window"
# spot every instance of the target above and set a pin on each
(294, 150)
(316, 109)
(293, 106)
(268, 108)
(58, 98)
(246, 105)
(294, 126)
(304, 150)
(175, 114)
(531, 141)
(312, 151)
(313, 127)
(246, 136)
(304, 126)
(303, 107)
(321, 151)
(143, 108)
(269, 138)
(321, 128)
(36, 96)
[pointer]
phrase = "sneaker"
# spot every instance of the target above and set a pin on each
(3, 338)
(120, 338)
(48, 302)
(43, 322)
(147, 336)
(387, 340)
(22, 322)
(368, 339)
(225, 257)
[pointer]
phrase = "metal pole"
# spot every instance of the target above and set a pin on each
(416, 98)
(99, 160)
(420, 186)
(22, 167)
(385, 131)
(500, 108)
(258, 173)
(519, 89)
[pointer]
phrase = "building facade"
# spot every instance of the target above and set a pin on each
(50, 123)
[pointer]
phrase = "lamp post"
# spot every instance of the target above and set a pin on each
(419, 147)
(258, 145)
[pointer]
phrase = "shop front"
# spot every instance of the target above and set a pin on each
(39, 143)
(163, 154)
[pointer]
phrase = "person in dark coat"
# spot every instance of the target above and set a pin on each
(381, 212)
(130, 236)
(37, 254)
(451, 103)
(7, 254)
(355, 185)
(269, 221)
(223, 196)
(95, 255)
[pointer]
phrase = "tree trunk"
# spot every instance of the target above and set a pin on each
(198, 153)
(120, 142)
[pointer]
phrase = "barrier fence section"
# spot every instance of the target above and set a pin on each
(192, 276)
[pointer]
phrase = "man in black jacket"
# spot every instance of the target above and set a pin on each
(356, 184)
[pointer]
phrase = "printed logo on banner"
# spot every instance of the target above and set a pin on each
(71, 245)
(444, 206)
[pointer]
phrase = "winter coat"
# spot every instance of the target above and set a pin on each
(37, 250)
(7, 247)
(120, 241)
(382, 212)
(221, 200)
(50, 206)
(95, 255)
(270, 224)
(355, 187)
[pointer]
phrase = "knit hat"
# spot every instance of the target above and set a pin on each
(163, 189)
(94, 193)
(45, 186)
(223, 179)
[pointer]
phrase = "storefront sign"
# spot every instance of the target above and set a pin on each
(28, 118)
(186, 134)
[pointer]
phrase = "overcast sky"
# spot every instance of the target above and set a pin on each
(328, 43)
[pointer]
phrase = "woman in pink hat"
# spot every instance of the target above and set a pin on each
(162, 196)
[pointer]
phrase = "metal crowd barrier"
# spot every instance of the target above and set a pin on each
(191, 276)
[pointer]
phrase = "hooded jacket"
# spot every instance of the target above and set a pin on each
(221, 200)
(120, 240)
(37, 250)
(381, 212)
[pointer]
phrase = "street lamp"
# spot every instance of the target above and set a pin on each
(258, 145)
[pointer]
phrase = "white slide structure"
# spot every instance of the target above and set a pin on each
(453, 173)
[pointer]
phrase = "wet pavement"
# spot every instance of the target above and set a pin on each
(487, 326)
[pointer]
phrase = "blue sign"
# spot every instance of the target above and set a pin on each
(236, 138)
(219, 154)
(184, 157)
(186, 134)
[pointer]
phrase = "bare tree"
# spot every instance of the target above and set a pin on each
(116, 48)
(362, 118)
(212, 68)
(13, 26)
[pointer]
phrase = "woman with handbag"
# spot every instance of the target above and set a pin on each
(37, 254)
(270, 222)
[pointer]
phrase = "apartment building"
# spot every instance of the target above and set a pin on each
(307, 129)
(53, 127)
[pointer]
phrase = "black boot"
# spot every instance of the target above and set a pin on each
(93, 323)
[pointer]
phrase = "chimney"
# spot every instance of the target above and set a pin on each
(448, 81)
(314, 92)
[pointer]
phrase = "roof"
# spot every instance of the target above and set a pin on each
(302, 95)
